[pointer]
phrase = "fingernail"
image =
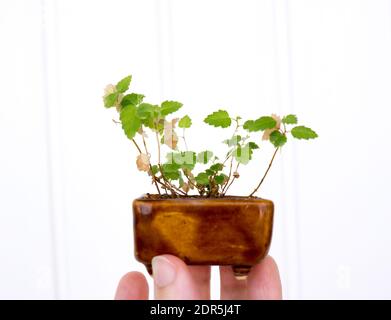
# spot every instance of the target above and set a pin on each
(164, 272)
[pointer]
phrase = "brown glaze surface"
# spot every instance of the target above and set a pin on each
(224, 231)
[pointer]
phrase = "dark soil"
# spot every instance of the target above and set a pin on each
(149, 196)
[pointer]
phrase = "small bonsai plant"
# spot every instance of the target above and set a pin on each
(190, 215)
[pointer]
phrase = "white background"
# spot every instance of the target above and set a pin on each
(67, 173)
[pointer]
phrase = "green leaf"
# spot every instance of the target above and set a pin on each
(173, 175)
(289, 119)
(146, 111)
(159, 127)
(302, 132)
(110, 100)
(170, 167)
(233, 141)
(155, 169)
(253, 145)
(204, 157)
(123, 85)
(209, 172)
(219, 118)
(185, 122)
(202, 178)
(217, 167)
(243, 154)
(131, 123)
(184, 159)
(220, 178)
(171, 171)
(148, 114)
(277, 138)
(260, 124)
(133, 98)
(168, 107)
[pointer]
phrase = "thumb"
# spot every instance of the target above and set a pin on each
(173, 279)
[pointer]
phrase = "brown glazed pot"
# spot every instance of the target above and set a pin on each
(233, 231)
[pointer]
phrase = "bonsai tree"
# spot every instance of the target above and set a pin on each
(182, 172)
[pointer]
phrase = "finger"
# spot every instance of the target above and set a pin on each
(173, 279)
(132, 286)
(201, 277)
(264, 281)
(230, 287)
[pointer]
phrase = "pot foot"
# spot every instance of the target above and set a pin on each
(149, 268)
(241, 272)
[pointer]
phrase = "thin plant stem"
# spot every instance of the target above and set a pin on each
(150, 166)
(190, 182)
(233, 179)
(184, 139)
(138, 148)
(168, 184)
(266, 172)
(229, 175)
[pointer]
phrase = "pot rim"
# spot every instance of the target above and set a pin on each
(230, 198)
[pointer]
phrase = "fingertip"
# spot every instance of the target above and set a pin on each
(175, 261)
(173, 279)
(230, 287)
(264, 280)
(132, 286)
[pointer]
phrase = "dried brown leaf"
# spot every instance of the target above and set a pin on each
(143, 162)
(170, 136)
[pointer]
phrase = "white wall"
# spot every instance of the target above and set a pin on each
(67, 174)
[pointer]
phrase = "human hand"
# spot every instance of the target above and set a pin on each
(173, 279)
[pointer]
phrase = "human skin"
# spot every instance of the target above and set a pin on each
(173, 279)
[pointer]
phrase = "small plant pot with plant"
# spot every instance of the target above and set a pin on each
(191, 214)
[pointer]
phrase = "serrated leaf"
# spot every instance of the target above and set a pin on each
(219, 118)
(260, 124)
(131, 123)
(233, 141)
(147, 111)
(171, 171)
(148, 114)
(277, 138)
(155, 169)
(168, 107)
(170, 167)
(160, 126)
(185, 159)
(289, 119)
(302, 132)
(202, 178)
(217, 167)
(243, 154)
(123, 85)
(209, 172)
(253, 145)
(204, 156)
(110, 100)
(185, 122)
(133, 98)
(174, 175)
(221, 178)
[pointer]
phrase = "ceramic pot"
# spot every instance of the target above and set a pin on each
(234, 231)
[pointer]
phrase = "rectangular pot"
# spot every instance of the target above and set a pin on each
(234, 231)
